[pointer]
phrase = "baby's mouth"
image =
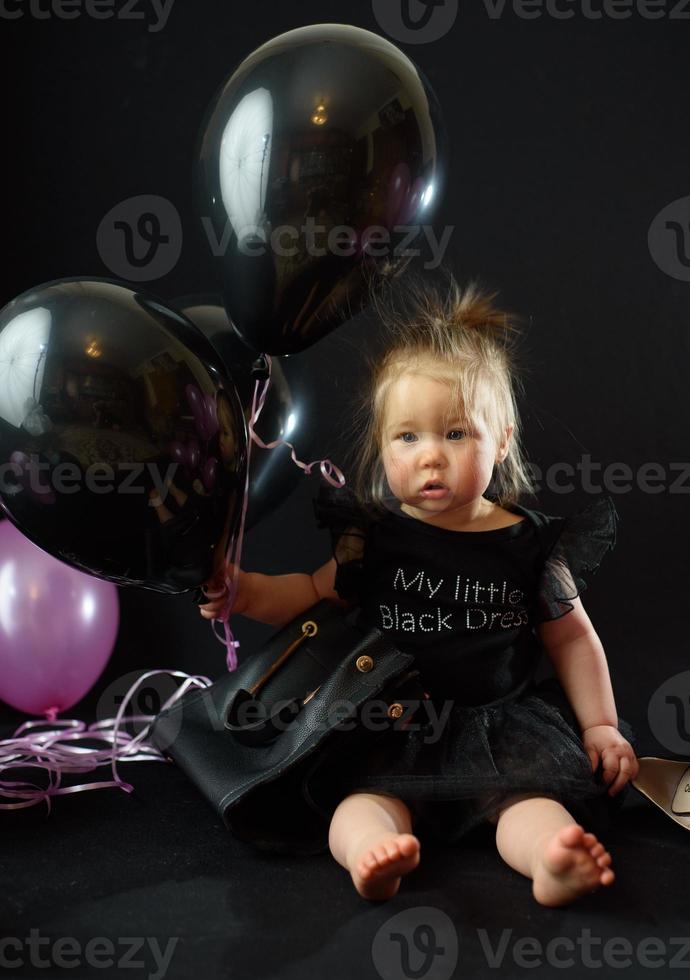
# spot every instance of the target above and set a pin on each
(434, 490)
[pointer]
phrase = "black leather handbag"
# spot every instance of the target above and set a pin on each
(248, 740)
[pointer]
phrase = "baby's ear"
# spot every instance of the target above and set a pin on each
(503, 448)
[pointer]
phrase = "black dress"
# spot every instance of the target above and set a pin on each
(466, 604)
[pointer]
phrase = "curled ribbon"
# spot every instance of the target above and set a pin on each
(232, 558)
(325, 465)
(55, 752)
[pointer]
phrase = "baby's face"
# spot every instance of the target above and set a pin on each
(435, 466)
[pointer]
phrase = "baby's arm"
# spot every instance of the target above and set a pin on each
(581, 667)
(276, 599)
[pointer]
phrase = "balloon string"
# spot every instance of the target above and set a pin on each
(54, 752)
(325, 465)
(51, 751)
(234, 550)
(232, 557)
(232, 560)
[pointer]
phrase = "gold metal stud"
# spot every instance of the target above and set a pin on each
(395, 710)
(364, 664)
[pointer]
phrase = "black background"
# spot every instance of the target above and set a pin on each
(567, 138)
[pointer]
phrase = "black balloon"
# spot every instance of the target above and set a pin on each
(286, 413)
(318, 159)
(122, 439)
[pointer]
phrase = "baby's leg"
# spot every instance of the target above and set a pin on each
(539, 838)
(370, 835)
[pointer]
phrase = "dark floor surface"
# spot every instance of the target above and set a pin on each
(158, 865)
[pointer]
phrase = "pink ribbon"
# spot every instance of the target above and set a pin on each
(234, 551)
(325, 465)
(55, 752)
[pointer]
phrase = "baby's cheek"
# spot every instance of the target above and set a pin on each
(397, 472)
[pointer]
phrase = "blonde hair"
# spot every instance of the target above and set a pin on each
(456, 335)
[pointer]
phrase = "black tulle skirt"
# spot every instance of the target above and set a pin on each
(453, 773)
(456, 771)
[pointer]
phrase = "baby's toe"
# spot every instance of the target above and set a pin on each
(571, 836)
(408, 845)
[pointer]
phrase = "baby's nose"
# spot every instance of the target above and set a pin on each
(433, 455)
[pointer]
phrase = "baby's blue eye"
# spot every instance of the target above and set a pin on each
(456, 434)
(403, 436)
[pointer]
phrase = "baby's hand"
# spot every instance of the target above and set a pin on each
(212, 609)
(617, 755)
(218, 590)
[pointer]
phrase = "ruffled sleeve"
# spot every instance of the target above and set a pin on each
(338, 510)
(581, 541)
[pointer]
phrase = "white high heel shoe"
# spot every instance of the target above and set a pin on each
(666, 782)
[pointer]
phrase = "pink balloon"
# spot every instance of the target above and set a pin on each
(57, 627)
(193, 454)
(211, 415)
(197, 404)
(208, 473)
(178, 453)
(194, 398)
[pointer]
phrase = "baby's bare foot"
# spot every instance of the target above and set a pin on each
(570, 863)
(377, 868)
